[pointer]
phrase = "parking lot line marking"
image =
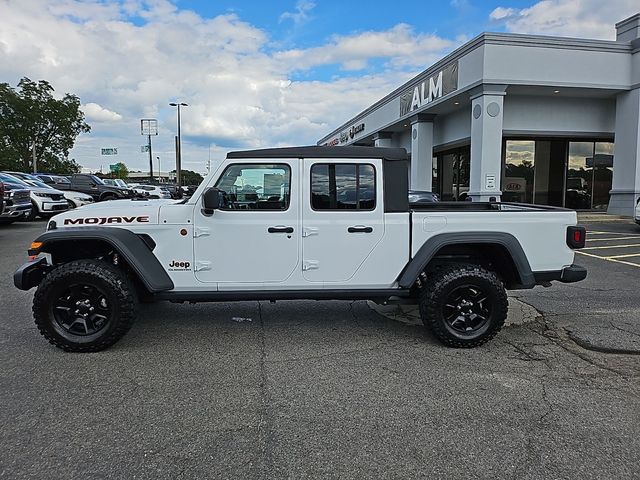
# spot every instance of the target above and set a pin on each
(612, 238)
(610, 259)
(612, 246)
(625, 256)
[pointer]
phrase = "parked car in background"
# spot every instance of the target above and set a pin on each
(116, 182)
(90, 185)
(74, 199)
(45, 201)
(419, 197)
(151, 191)
(16, 199)
(636, 215)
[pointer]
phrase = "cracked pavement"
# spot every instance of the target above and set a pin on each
(321, 390)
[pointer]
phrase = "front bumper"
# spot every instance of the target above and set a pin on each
(55, 206)
(572, 273)
(16, 210)
(31, 273)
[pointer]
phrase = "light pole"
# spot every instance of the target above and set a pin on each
(178, 144)
(159, 171)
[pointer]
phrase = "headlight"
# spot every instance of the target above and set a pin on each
(82, 199)
(41, 194)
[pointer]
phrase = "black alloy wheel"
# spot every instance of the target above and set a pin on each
(82, 310)
(463, 305)
(466, 309)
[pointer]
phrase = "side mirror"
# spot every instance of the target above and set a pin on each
(211, 200)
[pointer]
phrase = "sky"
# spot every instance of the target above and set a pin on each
(254, 74)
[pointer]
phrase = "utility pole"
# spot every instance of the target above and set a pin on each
(148, 127)
(159, 171)
(35, 168)
(178, 144)
(150, 160)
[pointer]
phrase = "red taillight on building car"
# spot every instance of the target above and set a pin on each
(576, 237)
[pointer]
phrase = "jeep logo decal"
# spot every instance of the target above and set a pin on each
(179, 265)
(103, 220)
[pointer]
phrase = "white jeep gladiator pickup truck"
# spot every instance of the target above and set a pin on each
(296, 223)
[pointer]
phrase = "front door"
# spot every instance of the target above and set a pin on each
(343, 218)
(253, 238)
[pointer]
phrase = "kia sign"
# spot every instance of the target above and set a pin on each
(434, 87)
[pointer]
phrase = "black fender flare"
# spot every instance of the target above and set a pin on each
(422, 258)
(129, 245)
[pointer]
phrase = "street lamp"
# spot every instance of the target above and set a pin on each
(178, 143)
(159, 170)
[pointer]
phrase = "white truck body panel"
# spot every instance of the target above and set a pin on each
(232, 250)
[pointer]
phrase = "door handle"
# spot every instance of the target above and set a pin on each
(360, 229)
(280, 229)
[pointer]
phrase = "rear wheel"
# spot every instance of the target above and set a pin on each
(108, 196)
(84, 306)
(464, 306)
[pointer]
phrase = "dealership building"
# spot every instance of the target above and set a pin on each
(521, 118)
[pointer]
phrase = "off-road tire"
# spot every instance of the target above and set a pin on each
(443, 283)
(109, 196)
(119, 294)
(33, 213)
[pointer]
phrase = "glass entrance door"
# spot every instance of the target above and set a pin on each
(453, 168)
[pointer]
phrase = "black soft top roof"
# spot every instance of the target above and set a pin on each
(323, 152)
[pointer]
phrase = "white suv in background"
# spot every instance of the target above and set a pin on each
(151, 191)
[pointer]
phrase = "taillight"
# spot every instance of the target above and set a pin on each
(576, 237)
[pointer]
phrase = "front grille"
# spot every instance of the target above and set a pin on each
(59, 207)
(21, 195)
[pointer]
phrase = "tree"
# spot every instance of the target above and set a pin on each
(189, 177)
(121, 171)
(30, 115)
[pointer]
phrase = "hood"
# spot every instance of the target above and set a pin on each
(48, 191)
(114, 213)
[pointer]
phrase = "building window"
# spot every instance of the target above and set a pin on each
(517, 185)
(559, 172)
(343, 186)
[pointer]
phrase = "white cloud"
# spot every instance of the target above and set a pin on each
(240, 93)
(568, 18)
(501, 13)
(96, 113)
(301, 13)
(400, 45)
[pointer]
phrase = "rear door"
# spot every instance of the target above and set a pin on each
(342, 217)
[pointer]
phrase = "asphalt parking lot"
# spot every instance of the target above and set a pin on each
(331, 389)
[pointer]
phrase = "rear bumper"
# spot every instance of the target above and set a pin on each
(570, 274)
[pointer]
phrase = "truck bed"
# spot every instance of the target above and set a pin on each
(540, 230)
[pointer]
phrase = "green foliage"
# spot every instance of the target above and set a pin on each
(121, 171)
(190, 177)
(31, 113)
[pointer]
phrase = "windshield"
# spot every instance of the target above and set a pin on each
(38, 183)
(120, 183)
(10, 179)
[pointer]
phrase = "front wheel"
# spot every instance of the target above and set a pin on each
(84, 306)
(464, 306)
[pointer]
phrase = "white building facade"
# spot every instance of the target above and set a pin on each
(522, 118)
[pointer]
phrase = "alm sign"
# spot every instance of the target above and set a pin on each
(437, 85)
